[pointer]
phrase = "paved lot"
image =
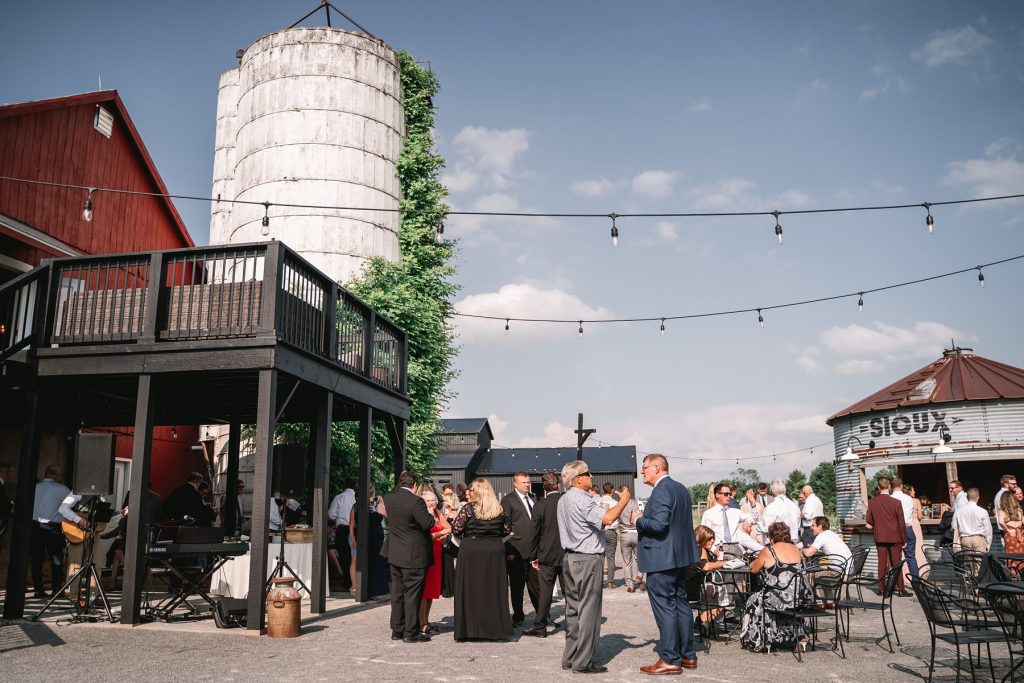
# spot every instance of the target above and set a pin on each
(352, 643)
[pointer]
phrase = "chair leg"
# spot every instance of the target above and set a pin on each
(885, 625)
(970, 660)
(991, 669)
(893, 620)
(931, 661)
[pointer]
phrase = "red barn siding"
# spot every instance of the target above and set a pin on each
(55, 141)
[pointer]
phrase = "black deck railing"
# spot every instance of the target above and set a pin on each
(205, 293)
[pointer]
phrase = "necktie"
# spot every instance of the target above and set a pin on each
(529, 505)
(725, 522)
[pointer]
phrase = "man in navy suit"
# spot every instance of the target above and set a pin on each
(667, 547)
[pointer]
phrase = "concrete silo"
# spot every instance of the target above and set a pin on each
(311, 116)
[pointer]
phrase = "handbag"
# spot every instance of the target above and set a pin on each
(714, 587)
(450, 548)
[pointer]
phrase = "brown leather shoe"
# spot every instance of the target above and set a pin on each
(663, 668)
(689, 663)
(630, 589)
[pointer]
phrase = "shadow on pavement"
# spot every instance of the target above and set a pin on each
(19, 635)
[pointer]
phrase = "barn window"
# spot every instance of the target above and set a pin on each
(103, 121)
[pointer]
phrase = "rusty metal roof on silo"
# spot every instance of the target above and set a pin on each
(958, 376)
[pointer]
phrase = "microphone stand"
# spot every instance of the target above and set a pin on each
(282, 564)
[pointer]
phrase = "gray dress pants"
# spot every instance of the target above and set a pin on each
(581, 583)
(610, 543)
(627, 542)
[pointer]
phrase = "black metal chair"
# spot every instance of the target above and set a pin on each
(859, 559)
(826, 575)
(710, 600)
(968, 566)
(1007, 601)
(965, 623)
(942, 571)
(889, 582)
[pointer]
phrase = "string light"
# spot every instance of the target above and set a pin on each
(760, 310)
(662, 327)
(615, 230)
(439, 229)
(981, 277)
(522, 214)
(701, 459)
(265, 230)
(860, 302)
(581, 329)
(928, 220)
(778, 226)
(87, 207)
(506, 328)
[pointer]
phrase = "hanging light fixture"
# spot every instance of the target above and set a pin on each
(439, 228)
(265, 230)
(615, 230)
(662, 327)
(581, 329)
(778, 226)
(87, 207)
(506, 327)
(860, 302)
(760, 318)
(981, 277)
(928, 220)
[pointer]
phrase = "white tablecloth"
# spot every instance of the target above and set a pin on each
(232, 580)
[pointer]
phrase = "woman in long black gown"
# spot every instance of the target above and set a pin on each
(481, 582)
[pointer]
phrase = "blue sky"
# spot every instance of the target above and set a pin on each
(653, 107)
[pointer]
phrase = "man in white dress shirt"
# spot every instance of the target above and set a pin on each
(340, 511)
(782, 509)
(910, 550)
(727, 523)
(813, 507)
(1007, 482)
(828, 542)
(47, 539)
(974, 524)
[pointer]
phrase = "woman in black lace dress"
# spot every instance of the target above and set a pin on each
(783, 586)
(481, 582)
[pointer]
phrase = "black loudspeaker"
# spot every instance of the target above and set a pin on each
(94, 464)
(289, 470)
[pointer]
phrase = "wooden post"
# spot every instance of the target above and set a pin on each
(321, 438)
(227, 513)
(363, 504)
(266, 413)
(951, 474)
(21, 533)
(396, 434)
(154, 292)
(136, 535)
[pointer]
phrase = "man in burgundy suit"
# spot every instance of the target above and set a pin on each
(885, 518)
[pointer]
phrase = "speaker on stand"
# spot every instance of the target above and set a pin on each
(94, 464)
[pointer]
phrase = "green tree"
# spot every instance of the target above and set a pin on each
(823, 481)
(885, 472)
(698, 492)
(744, 478)
(795, 481)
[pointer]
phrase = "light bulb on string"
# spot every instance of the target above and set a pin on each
(928, 220)
(860, 302)
(439, 228)
(506, 327)
(265, 230)
(760, 318)
(981, 277)
(87, 207)
(615, 230)
(662, 327)
(581, 329)
(778, 226)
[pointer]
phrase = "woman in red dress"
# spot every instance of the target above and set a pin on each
(432, 585)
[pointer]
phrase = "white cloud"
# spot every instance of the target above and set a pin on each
(887, 343)
(957, 45)
(997, 147)
(887, 82)
(886, 187)
(462, 226)
(490, 148)
(460, 180)
(654, 183)
(701, 105)
(666, 231)
(740, 194)
(555, 434)
(592, 188)
(986, 177)
(858, 367)
(498, 427)
(809, 365)
(524, 300)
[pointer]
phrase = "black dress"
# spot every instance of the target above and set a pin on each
(481, 582)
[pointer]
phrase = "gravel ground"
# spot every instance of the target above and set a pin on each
(353, 642)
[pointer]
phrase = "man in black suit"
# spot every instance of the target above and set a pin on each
(410, 551)
(185, 504)
(546, 553)
(518, 506)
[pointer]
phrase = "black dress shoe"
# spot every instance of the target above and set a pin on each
(416, 638)
(592, 669)
(396, 636)
(518, 621)
(536, 632)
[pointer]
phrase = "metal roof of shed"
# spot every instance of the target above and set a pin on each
(958, 376)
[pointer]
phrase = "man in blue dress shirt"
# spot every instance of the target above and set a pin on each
(667, 547)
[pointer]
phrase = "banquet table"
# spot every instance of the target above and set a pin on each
(232, 580)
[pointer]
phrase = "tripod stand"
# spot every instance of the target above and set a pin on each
(84, 576)
(282, 564)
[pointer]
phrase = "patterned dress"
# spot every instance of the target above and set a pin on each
(764, 625)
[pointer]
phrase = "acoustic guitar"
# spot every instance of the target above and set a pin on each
(75, 534)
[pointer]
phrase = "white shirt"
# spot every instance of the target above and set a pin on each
(829, 543)
(972, 520)
(959, 501)
(995, 506)
(341, 507)
(606, 501)
(49, 495)
(275, 515)
(908, 506)
(714, 520)
(67, 507)
(782, 509)
(812, 508)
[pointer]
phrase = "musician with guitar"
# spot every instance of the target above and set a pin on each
(46, 538)
(75, 509)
